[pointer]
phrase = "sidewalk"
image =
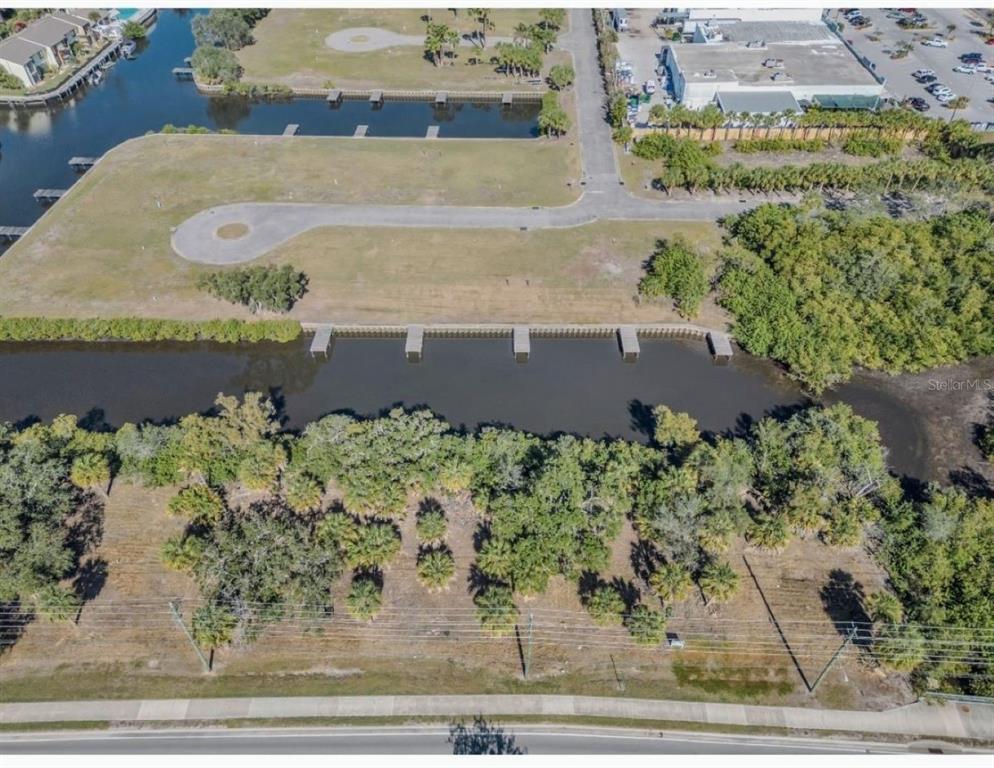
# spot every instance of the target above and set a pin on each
(942, 721)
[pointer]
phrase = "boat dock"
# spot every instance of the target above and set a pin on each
(360, 132)
(521, 343)
(719, 342)
(80, 164)
(183, 73)
(414, 344)
(507, 99)
(441, 98)
(376, 97)
(291, 129)
(322, 340)
(432, 132)
(335, 96)
(69, 86)
(48, 195)
(10, 234)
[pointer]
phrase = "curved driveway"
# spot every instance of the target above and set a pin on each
(272, 224)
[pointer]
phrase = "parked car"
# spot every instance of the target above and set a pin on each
(934, 87)
(860, 22)
(918, 104)
(922, 73)
(971, 55)
(851, 14)
(945, 98)
(936, 42)
(964, 69)
(927, 79)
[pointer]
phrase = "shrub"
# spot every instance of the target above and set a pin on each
(606, 606)
(871, 144)
(9, 82)
(671, 582)
(552, 119)
(215, 65)
(275, 289)
(266, 91)
(145, 329)
(561, 76)
(198, 504)
(675, 270)
(302, 492)
(719, 582)
(436, 567)
(132, 30)
(646, 625)
(751, 146)
(183, 552)
(364, 599)
(431, 525)
(496, 610)
(769, 532)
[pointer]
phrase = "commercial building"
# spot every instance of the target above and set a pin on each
(703, 73)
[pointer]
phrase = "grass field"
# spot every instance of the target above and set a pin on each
(103, 250)
(290, 49)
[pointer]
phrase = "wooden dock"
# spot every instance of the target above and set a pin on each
(82, 163)
(521, 343)
(322, 340)
(360, 131)
(721, 346)
(10, 234)
(291, 129)
(67, 88)
(414, 343)
(629, 343)
(183, 73)
(432, 132)
(48, 195)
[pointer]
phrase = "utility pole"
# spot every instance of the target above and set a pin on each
(835, 656)
(179, 620)
(528, 650)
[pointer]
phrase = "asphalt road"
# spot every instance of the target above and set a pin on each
(900, 84)
(428, 740)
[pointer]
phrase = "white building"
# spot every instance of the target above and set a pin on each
(24, 60)
(700, 73)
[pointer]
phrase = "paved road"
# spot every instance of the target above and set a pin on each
(603, 198)
(428, 740)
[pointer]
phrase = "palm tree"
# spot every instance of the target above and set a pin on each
(213, 626)
(364, 599)
(671, 582)
(482, 16)
(960, 102)
(90, 470)
(718, 582)
(436, 567)
(56, 603)
(496, 610)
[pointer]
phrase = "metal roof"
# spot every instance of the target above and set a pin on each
(18, 51)
(829, 101)
(758, 102)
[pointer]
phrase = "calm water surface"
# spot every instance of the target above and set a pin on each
(142, 95)
(568, 385)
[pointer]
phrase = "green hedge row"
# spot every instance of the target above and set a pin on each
(145, 329)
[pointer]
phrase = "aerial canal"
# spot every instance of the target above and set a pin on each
(569, 385)
(143, 95)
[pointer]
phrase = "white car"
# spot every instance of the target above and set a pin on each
(945, 98)
(983, 67)
(936, 42)
(964, 69)
(923, 73)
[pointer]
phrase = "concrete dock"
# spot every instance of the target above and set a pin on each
(291, 129)
(629, 343)
(82, 163)
(721, 346)
(360, 131)
(414, 343)
(521, 343)
(432, 132)
(376, 98)
(322, 340)
(48, 195)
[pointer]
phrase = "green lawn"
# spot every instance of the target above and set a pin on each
(289, 49)
(103, 250)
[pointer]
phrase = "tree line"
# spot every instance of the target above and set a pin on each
(218, 34)
(549, 507)
(275, 289)
(145, 329)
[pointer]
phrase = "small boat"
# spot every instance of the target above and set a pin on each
(128, 48)
(96, 77)
(107, 64)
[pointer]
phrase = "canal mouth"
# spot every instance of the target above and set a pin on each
(234, 231)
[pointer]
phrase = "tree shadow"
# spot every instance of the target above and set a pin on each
(844, 600)
(90, 578)
(15, 619)
(972, 482)
(86, 527)
(482, 738)
(643, 557)
(642, 420)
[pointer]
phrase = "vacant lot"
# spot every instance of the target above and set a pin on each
(127, 643)
(290, 49)
(103, 250)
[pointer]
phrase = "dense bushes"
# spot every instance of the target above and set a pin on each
(675, 270)
(871, 144)
(823, 294)
(215, 65)
(271, 288)
(751, 146)
(145, 329)
(549, 508)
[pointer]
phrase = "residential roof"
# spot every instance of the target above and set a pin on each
(47, 31)
(72, 18)
(757, 102)
(17, 50)
(816, 64)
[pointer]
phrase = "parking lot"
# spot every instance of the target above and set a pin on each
(640, 46)
(968, 35)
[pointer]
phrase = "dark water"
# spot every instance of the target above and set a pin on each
(579, 386)
(142, 95)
